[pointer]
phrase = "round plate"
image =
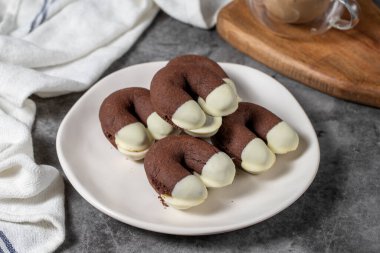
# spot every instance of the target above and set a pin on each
(119, 187)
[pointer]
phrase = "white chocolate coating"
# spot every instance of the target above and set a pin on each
(233, 86)
(134, 141)
(158, 127)
(210, 127)
(189, 116)
(201, 135)
(133, 155)
(188, 192)
(222, 101)
(219, 171)
(282, 138)
(133, 137)
(257, 157)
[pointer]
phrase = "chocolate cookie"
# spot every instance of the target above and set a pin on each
(169, 165)
(189, 77)
(242, 133)
(124, 116)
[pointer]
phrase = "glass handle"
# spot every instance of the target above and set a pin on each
(353, 8)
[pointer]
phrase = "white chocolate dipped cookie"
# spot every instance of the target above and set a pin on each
(243, 133)
(168, 164)
(129, 122)
(193, 93)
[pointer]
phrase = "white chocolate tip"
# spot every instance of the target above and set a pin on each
(218, 171)
(158, 127)
(201, 135)
(222, 101)
(282, 138)
(134, 155)
(189, 116)
(232, 84)
(188, 192)
(257, 157)
(210, 127)
(133, 137)
(134, 141)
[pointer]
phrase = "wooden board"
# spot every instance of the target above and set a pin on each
(343, 64)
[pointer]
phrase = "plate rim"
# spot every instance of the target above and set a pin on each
(165, 229)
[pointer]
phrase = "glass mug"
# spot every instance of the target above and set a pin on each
(293, 18)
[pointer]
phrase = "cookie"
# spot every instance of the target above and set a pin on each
(243, 133)
(185, 80)
(129, 122)
(180, 168)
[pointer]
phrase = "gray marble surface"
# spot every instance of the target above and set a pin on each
(340, 212)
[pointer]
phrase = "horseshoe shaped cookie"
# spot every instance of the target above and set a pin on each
(123, 116)
(242, 133)
(170, 162)
(189, 77)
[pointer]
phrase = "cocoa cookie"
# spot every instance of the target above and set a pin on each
(171, 162)
(242, 133)
(201, 61)
(124, 116)
(185, 79)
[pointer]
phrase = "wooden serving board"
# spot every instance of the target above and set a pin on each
(343, 64)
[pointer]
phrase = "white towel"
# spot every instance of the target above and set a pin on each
(200, 13)
(49, 48)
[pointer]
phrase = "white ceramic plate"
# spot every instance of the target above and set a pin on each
(119, 187)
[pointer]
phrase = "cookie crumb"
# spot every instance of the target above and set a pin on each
(163, 202)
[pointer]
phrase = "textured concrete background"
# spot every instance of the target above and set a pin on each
(340, 212)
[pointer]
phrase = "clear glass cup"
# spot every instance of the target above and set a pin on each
(295, 18)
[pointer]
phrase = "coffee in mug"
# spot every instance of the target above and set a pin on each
(298, 16)
(296, 11)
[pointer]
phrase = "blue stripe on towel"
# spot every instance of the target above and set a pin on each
(36, 21)
(7, 243)
(41, 15)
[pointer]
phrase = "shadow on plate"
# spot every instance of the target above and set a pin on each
(283, 162)
(223, 198)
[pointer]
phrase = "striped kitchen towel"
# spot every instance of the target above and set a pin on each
(5, 245)
(50, 48)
